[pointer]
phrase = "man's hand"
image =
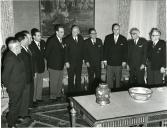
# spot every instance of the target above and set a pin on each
(67, 65)
(35, 76)
(123, 64)
(142, 67)
(128, 68)
(88, 64)
(162, 70)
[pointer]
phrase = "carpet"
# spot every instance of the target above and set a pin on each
(56, 115)
(53, 115)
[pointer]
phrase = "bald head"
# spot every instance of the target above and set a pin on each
(14, 46)
(75, 30)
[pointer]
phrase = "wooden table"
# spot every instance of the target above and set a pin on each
(122, 110)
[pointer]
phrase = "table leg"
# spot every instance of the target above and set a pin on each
(73, 115)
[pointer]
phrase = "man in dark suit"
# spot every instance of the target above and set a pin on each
(156, 58)
(55, 56)
(31, 103)
(115, 51)
(74, 57)
(37, 48)
(137, 49)
(93, 59)
(14, 78)
(26, 57)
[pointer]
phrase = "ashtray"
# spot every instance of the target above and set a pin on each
(140, 93)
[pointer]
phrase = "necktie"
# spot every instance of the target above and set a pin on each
(60, 40)
(76, 39)
(115, 39)
(29, 52)
(61, 43)
(94, 42)
(39, 46)
(135, 42)
(154, 44)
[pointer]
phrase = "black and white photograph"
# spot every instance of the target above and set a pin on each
(83, 63)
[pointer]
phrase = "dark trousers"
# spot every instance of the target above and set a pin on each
(31, 94)
(74, 72)
(136, 76)
(23, 112)
(154, 77)
(94, 75)
(114, 72)
(15, 101)
(56, 77)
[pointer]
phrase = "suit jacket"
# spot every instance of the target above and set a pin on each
(14, 74)
(38, 56)
(93, 52)
(137, 53)
(157, 54)
(27, 59)
(55, 53)
(74, 53)
(115, 53)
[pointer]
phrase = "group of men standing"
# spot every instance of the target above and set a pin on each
(117, 52)
(25, 61)
(22, 71)
(137, 55)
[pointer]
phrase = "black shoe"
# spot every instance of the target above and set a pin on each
(12, 126)
(19, 120)
(35, 104)
(27, 119)
(53, 100)
(39, 100)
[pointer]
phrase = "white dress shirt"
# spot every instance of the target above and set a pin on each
(116, 38)
(37, 43)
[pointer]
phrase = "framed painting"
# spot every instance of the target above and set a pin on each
(67, 13)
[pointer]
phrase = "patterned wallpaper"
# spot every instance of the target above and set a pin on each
(7, 19)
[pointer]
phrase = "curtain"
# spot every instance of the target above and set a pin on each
(162, 18)
(123, 16)
(143, 15)
(7, 20)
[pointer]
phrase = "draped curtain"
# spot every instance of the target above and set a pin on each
(123, 15)
(143, 15)
(7, 20)
(162, 18)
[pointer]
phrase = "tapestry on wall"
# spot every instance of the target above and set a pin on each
(67, 13)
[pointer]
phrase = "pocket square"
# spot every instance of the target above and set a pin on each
(159, 49)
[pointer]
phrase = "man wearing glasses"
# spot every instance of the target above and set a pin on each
(137, 49)
(115, 52)
(93, 59)
(156, 58)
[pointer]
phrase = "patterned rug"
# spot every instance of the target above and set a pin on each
(49, 114)
(53, 115)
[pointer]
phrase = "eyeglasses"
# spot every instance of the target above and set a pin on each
(93, 33)
(133, 33)
(155, 35)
